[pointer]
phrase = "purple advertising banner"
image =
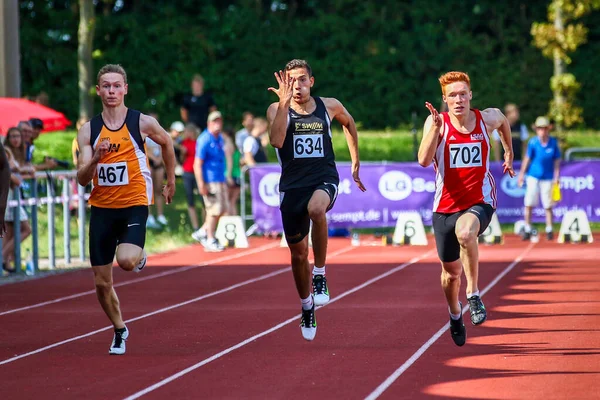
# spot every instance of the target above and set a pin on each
(393, 188)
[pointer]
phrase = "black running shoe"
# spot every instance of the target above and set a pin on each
(550, 235)
(477, 310)
(308, 323)
(320, 290)
(526, 236)
(458, 330)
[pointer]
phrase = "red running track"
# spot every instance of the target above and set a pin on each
(225, 326)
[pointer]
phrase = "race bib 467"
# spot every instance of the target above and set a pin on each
(114, 174)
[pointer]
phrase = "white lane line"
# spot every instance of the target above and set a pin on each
(165, 309)
(272, 329)
(408, 363)
(147, 277)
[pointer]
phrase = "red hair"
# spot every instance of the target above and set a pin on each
(454, 76)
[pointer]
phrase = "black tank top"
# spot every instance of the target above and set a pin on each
(306, 156)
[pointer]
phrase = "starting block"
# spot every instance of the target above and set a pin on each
(575, 228)
(230, 232)
(519, 227)
(409, 230)
(493, 233)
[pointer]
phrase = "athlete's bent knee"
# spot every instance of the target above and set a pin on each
(126, 263)
(449, 276)
(299, 255)
(466, 236)
(102, 285)
(316, 213)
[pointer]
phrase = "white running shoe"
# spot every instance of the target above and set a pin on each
(140, 266)
(151, 223)
(320, 290)
(308, 323)
(199, 235)
(212, 246)
(162, 220)
(118, 344)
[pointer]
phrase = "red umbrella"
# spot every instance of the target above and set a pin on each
(13, 110)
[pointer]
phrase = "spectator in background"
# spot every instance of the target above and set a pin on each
(176, 131)
(519, 134)
(15, 152)
(242, 134)
(232, 172)
(188, 154)
(157, 169)
(43, 99)
(254, 152)
(540, 169)
(197, 105)
(4, 187)
(209, 168)
(30, 134)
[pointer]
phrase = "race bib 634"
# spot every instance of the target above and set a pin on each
(308, 146)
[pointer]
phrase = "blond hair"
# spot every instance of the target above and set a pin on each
(112, 69)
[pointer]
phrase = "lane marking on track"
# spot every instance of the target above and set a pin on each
(408, 363)
(147, 278)
(272, 329)
(165, 309)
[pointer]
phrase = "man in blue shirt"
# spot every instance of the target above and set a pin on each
(540, 169)
(209, 170)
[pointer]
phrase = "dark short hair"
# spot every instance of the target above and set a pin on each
(36, 123)
(297, 63)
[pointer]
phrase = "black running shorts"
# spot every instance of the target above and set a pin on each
(444, 225)
(110, 227)
(294, 210)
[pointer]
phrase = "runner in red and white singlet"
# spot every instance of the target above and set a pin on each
(458, 144)
(463, 157)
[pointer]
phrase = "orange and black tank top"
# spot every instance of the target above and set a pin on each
(122, 176)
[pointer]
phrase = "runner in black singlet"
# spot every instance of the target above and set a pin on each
(300, 130)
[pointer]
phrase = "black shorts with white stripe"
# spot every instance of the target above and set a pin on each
(294, 209)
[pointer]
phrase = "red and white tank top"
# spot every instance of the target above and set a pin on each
(462, 167)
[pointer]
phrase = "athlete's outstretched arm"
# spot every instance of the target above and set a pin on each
(432, 130)
(88, 158)
(495, 119)
(338, 112)
(277, 113)
(150, 126)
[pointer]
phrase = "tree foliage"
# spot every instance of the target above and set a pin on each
(381, 59)
(557, 38)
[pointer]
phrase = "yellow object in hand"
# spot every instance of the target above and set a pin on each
(556, 195)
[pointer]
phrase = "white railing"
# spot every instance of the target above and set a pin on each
(51, 199)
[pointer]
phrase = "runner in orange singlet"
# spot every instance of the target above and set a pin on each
(112, 155)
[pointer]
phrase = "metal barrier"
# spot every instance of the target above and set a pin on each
(582, 150)
(51, 179)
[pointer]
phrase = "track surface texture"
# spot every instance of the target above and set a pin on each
(225, 326)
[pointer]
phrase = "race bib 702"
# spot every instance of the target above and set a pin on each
(114, 174)
(465, 155)
(308, 146)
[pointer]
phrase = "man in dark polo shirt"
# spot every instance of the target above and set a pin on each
(197, 105)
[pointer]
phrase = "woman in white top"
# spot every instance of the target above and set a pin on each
(15, 152)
